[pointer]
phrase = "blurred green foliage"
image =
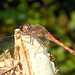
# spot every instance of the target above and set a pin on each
(58, 16)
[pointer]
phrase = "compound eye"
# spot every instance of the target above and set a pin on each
(25, 27)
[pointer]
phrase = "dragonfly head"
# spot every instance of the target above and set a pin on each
(26, 28)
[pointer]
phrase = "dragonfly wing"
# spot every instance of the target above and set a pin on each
(44, 41)
(6, 43)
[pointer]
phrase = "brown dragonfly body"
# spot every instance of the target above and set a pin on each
(39, 30)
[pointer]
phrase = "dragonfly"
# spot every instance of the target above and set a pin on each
(40, 31)
(36, 30)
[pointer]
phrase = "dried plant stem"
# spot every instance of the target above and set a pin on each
(30, 58)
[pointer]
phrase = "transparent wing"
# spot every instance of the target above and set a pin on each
(7, 43)
(44, 41)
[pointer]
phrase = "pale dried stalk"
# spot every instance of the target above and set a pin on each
(31, 59)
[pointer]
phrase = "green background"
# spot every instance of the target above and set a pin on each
(57, 16)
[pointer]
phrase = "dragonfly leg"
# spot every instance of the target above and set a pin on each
(44, 51)
(36, 51)
(31, 39)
